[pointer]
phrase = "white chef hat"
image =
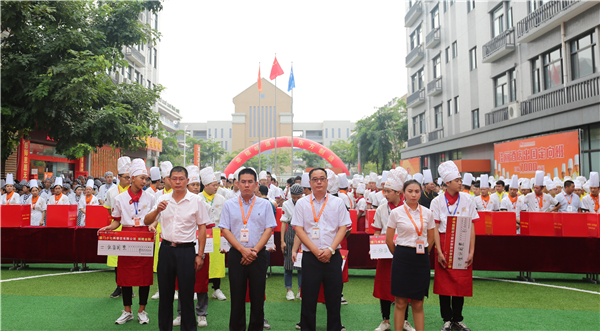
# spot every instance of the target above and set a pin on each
(123, 164)
(342, 180)
(448, 171)
(514, 182)
(384, 175)
(33, 183)
(578, 185)
(193, 173)
(550, 186)
(207, 175)
(418, 177)
(274, 176)
(10, 180)
(586, 187)
(90, 183)
(581, 179)
(548, 182)
(305, 180)
(332, 181)
(365, 179)
(484, 181)
(57, 182)
(379, 182)
(230, 177)
(564, 167)
(137, 168)
(427, 177)
(372, 177)
(567, 178)
(396, 179)
(154, 173)
(236, 173)
(262, 175)
(570, 164)
(526, 184)
(558, 183)
(467, 179)
(539, 178)
(218, 176)
(594, 179)
(165, 168)
(409, 177)
(576, 159)
(360, 189)
(355, 182)
(440, 181)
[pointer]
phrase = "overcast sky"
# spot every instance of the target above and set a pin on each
(349, 57)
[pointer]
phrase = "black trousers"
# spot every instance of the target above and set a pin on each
(216, 283)
(254, 277)
(315, 273)
(452, 313)
(128, 292)
(176, 263)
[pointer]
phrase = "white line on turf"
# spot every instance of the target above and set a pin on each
(49, 275)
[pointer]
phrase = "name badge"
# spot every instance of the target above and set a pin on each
(420, 247)
(137, 221)
(569, 208)
(244, 236)
(316, 233)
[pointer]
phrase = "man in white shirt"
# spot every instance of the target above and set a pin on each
(512, 202)
(591, 202)
(538, 201)
(569, 201)
(484, 202)
(105, 187)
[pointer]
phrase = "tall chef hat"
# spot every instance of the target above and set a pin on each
(193, 173)
(207, 175)
(468, 179)
(57, 182)
(154, 173)
(305, 180)
(418, 177)
(123, 164)
(514, 182)
(427, 177)
(570, 163)
(440, 181)
(581, 179)
(578, 185)
(539, 178)
(33, 183)
(137, 168)
(558, 183)
(550, 186)
(379, 182)
(342, 180)
(448, 171)
(262, 175)
(165, 168)
(594, 179)
(360, 189)
(384, 175)
(355, 182)
(484, 181)
(372, 177)
(332, 182)
(10, 180)
(396, 179)
(90, 183)
(526, 184)
(586, 187)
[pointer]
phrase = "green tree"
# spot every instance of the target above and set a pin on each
(311, 160)
(171, 151)
(284, 156)
(346, 150)
(55, 63)
(211, 153)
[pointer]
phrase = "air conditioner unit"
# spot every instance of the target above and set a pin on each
(423, 138)
(513, 111)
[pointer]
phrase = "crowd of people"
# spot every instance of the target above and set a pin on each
(179, 204)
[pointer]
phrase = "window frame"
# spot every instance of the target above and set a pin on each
(449, 102)
(437, 67)
(438, 116)
(504, 87)
(456, 104)
(547, 62)
(435, 17)
(574, 55)
(454, 49)
(473, 58)
(475, 123)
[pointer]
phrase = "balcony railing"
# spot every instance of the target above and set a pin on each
(170, 106)
(496, 116)
(501, 45)
(415, 56)
(134, 55)
(416, 98)
(542, 15)
(168, 122)
(433, 38)
(413, 141)
(574, 92)
(413, 13)
(437, 134)
(434, 87)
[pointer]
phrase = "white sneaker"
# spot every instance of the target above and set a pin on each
(195, 296)
(408, 327)
(143, 317)
(298, 295)
(202, 321)
(384, 326)
(176, 296)
(218, 294)
(156, 296)
(289, 295)
(177, 321)
(125, 317)
(344, 302)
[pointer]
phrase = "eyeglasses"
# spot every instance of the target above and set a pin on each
(317, 180)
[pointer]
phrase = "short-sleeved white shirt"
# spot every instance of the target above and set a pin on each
(382, 217)
(513, 207)
(464, 207)
(532, 204)
(481, 205)
(180, 220)
(361, 204)
(405, 230)
(64, 200)
(82, 202)
(563, 199)
(125, 208)
(14, 200)
(587, 203)
(287, 209)
(347, 199)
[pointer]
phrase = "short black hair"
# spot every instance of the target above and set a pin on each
(247, 171)
(263, 190)
(568, 183)
(468, 187)
(298, 178)
(179, 169)
(269, 173)
(410, 182)
(500, 182)
(476, 184)
(316, 169)
(290, 180)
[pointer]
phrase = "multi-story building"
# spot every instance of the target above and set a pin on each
(219, 131)
(485, 72)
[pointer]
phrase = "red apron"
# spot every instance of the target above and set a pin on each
(451, 282)
(344, 245)
(135, 270)
(383, 280)
(201, 285)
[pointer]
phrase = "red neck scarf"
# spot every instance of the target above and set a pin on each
(9, 196)
(134, 197)
(57, 198)
(88, 199)
(391, 205)
(451, 199)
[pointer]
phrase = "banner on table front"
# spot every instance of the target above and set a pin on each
(126, 243)
(412, 166)
(555, 154)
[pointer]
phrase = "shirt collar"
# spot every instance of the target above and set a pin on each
(244, 200)
(315, 198)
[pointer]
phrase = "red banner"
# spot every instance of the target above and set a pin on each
(556, 154)
(197, 150)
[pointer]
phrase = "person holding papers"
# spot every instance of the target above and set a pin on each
(382, 289)
(129, 210)
(569, 201)
(452, 285)
(538, 201)
(591, 202)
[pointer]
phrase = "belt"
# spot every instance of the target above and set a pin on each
(180, 245)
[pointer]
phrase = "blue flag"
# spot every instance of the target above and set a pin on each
(292, 82)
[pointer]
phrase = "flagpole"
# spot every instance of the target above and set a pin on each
(275, 128)
(259, 156)
(292, 110)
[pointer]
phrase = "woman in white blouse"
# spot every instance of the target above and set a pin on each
(89, 199)
(38, 204)
(414, 226)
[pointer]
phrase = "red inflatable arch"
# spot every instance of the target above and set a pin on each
(268, 144)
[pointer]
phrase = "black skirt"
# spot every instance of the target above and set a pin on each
(410, 273)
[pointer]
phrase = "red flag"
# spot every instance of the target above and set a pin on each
(276, 70)
(259, 81)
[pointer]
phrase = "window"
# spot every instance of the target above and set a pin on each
(445, 5)
(225, 145)
(475, 119)
(437, 67)
(438, 116)
(141, 82)
(155, 21)
(512, 82)
(155, 59)
(422, 122)
(415, 120)
(418, 125)
(150, 55)
(122, 71)
(497, 21)
(535, 76)
(583, 50)
(532, 5)
(454, 50)
(137, 76)
(339, 133)
(149, 84)
(501, 88)
(449, 107)
(129, 70)
(216, 134)
(222, 136)
(332, 133)
(456, 104)
(435, 18)
(470, 5)
(326, 133)
(509, 16)
(451, 2)
(415, 38)
(417, 80)
(229, 133)
(473, 58)
(552, 69)
(447, 54)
